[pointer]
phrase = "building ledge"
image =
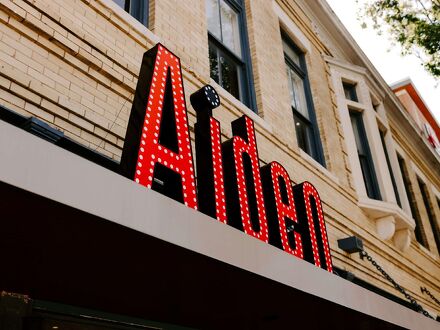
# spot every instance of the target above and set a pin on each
(391, 221)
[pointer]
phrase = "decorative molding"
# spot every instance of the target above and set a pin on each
(291, 28)
(386, 227)
(402, 239)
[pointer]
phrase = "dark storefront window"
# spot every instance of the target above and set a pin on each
(307, 133)
(228, 48)
(49, 316)
(429, 211)
(136, 8)
(364, 154)
(387, 157)
(420, 237)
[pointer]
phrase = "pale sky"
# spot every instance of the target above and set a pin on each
(391, 65)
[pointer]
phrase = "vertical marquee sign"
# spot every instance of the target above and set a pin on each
(231, 186)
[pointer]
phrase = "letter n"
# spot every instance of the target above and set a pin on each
(312, 224)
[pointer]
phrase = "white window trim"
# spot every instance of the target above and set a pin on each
(292, 30)
(390, 219)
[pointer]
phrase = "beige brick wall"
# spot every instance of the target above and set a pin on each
(75, 63)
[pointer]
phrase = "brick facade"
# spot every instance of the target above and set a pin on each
(74, 64)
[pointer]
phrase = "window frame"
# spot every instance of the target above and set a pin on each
(373, 181)
(133, 7)
(316, 151)
(430, 213)
(351, 88)
(383, 134)
(245, 80)
(409, 190)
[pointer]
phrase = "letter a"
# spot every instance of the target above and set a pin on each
(157, 151)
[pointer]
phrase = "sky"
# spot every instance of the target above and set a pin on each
(391, 65)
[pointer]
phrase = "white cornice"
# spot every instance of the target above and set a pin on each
(345, 64)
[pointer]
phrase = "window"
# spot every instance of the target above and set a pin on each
(307, 132)
(136, 8)
(412, 202)
(228, 49)
(387, 157)
(350, 92)
(429, 211)
(364, 154)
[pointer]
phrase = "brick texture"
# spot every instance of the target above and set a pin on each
(74, 64)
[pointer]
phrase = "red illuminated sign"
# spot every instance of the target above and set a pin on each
(244, 190)
(281, 209)
(157, 141)
(231, 186)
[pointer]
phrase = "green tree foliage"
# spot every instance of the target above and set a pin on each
(414, 24)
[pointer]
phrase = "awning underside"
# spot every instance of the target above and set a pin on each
(57, 253)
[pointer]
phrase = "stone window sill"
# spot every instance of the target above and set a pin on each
(391, 221)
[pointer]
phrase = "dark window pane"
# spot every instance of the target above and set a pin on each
(303, 134)
(412, 202)
(366, 175)
(229, 76)
(429, 211)
(350, 92)
(139, 10)
(213, 64)
(393, 180)
(365, 159)
(357, 135)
